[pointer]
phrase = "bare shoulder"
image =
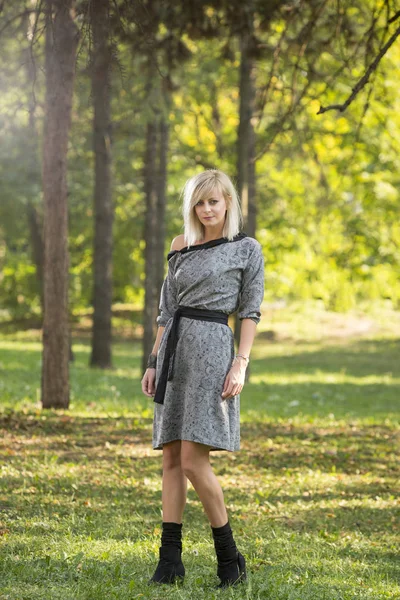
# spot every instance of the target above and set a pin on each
(178, 242)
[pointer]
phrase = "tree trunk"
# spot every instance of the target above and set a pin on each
(33, 217)
(60, 50)
(246, 179)
(246, 135)
(150, 237)
(160, 257)
(103, 206)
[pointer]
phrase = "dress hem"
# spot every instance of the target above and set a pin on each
(213, 447)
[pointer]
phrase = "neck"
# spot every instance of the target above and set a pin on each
(211, 234)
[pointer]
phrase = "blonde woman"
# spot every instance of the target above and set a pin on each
(193, 373)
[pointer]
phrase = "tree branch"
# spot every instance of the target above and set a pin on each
(364, 79)
(395, 17)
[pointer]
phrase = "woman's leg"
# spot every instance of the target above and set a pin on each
(174, 489)
(196, 466)
(174, 483)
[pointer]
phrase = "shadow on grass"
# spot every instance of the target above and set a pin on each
(86, 464)
(337, 449)
(270, 446)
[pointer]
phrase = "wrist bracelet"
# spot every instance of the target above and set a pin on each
(152, 361)
(241, 356)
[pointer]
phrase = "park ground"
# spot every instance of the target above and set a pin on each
(313, 495)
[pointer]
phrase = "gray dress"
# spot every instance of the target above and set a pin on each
(218, 275)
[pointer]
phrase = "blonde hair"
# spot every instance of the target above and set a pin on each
(200, 187)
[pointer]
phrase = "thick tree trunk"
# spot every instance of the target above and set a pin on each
(103, 206)
(61, 44)
(246, 136)
(150, 237)
(35, 222)
(246, 179)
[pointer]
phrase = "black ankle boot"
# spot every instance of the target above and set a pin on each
(231, 564)
(170, 565)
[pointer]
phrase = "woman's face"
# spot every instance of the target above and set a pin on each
(211, 210)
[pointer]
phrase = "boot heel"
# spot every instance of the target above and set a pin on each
(231, 563)
(241, 568)
(170, 567)
(228, 578)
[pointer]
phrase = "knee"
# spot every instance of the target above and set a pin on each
(188, 465)
(192, 464)
(171, 457)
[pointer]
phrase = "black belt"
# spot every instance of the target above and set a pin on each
(169, 356)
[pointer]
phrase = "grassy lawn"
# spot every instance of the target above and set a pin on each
(313, 495)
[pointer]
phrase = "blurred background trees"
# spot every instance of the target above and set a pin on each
(166, 89)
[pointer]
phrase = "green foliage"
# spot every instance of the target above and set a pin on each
(20, 288)
(327, 185)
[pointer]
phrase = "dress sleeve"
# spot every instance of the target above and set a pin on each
(168, 298)
(252, 289)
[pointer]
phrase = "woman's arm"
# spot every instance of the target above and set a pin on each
(234, 381)
(157, 341)
(247, 334)
(249, 312)
(167, 307)
(149, 377)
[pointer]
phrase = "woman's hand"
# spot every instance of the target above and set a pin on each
(148, 382)
(234, 381)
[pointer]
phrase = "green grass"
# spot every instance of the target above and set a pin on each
(313, 495)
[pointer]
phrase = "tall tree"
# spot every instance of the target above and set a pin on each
(61, 43)
(103, 205)
(150, 21)
(246, 174)
(163, 52)
(155, 182)
(246, 181)
(33, 217)
(150, 237)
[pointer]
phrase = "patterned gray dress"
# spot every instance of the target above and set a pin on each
(218, 275)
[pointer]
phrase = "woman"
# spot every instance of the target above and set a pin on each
(193, 374)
